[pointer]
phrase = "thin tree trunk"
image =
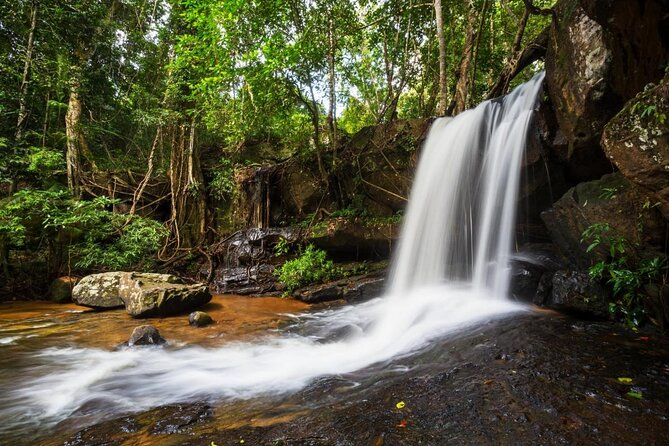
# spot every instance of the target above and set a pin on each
(25, 80)
(462, 85)
(472, 79)
(22, 118)
(443, 91)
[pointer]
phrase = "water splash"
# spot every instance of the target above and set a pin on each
(450, 272)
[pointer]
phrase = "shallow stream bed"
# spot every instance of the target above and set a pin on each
(530, 378)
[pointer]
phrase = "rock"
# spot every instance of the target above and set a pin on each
(601, 53)
(351, 289)
(612, 200)
(146, 295)
(199, 319)
(355, 238)
(320, 293)
(61, 289)
(146, 335)
(365, 289)
(576, 291)
(637, 141)
(636, 32)
(529, 269)
(578, 71)
(99, 291)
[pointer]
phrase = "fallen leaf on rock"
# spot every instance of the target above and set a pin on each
(570, 422)
(487, 382)
(403, 423)
(624, 380)
(400, 405)
(635, 394)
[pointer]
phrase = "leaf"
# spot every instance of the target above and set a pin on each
(402, 424)
(487, 382)
(624, 380)
(400, 405)
(643, 338)
(635, 394)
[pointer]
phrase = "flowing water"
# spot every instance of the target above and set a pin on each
(451, 271)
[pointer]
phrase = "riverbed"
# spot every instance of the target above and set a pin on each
(530, 378)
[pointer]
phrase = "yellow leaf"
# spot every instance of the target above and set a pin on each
(623, 380)
(400, 405)
(213, 444)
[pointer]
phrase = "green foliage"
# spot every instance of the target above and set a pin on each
(93, 236)
(650, 111)
(113, 244)
(310, 267)
(282, 247)
(626, 277)
(222, 185)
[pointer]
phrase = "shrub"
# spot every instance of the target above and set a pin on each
(51, 220)
(626, 277)
(311, 267)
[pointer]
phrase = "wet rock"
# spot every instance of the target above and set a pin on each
(637, 141)
(145, 335)
(99, 291)
(61, 289)
(179, 418)
(320, 293)
(146, 295)
(576, 291)
(364, 289)
(199, 319)
(351, 289)
(613, 200)
(253, 280)
(107, 433)
(528, 268)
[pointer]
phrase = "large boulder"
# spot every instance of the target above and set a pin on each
(611, 200)
(146, 295)
(637, 141)
(578, 66)
(600, 54)
(99, 291)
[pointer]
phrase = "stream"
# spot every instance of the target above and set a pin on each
(534, 377)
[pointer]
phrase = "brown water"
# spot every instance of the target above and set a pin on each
(47, 324)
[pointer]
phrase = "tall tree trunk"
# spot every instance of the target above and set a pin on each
(443, 91)
(333, 96)
(462, 85)
(188, 203)
(76, 142)
(22, 118)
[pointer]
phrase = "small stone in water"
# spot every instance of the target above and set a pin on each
(199, 319)
(146, 335)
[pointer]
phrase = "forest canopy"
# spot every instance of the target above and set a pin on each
(151, 102)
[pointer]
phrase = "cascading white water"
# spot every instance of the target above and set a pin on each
(461, 213)
(450, 271)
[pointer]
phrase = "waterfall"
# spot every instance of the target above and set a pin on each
(450, 272)
(461, 214)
